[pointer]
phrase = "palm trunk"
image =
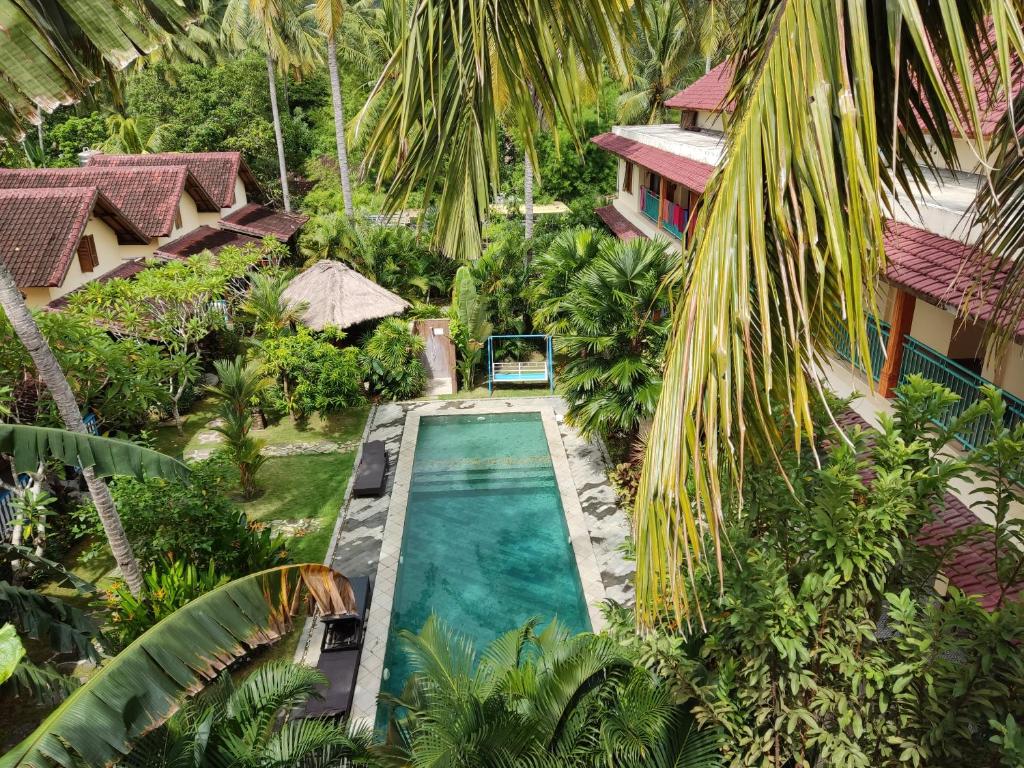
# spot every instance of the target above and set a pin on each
(53, 377)
(528, 196)
(272, 81)
(339, 124)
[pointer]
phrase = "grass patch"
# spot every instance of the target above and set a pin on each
(168, 440)
(500, 391)
(343, 427)
(303, 487)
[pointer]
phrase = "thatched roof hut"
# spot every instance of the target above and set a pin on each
(339, 296)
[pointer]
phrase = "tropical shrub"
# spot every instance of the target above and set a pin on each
(240, 388)
(829, 644)
(247, 723)
(193, 523)
(391, 356)
(313, 374)
(538, 698)
(121, 380)
(610, 327)
(470, 325)
(169, 584)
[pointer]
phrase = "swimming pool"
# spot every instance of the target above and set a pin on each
(485, 542)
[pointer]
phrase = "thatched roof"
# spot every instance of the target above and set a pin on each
(340, 297)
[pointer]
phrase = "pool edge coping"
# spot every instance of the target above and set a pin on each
(371, 665)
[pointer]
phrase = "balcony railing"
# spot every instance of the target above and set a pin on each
(878, 340)
(670, 216)
(649, 204)
(923, 360)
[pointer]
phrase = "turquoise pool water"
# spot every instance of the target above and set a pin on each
(485, 544)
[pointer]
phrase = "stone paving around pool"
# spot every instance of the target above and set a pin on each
(357, 543)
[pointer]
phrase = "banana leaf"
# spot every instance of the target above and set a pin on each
(140, 688)
(30, 445)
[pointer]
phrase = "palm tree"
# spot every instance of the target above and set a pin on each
(836, 111)
(538, 698)
(329, 15)
(53, 377)
(53, 52)
(611, 325)
(247, 724)
(264, 307)
(663, 58)
(553, 272)
(282, 33)
(443, 88)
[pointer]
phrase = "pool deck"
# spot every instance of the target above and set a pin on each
(368, 535)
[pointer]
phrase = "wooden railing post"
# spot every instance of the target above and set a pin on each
(899, 329)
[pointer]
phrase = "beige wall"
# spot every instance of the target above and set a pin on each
(1012, 379)
(712, 121)
(628, 200)
(189, 216)
(932, 326)
(129, 252)
(241, 198)
(37, 297)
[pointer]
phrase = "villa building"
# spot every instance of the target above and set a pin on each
(924, 325)
(62, 227)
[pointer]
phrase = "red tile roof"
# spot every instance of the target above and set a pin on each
(942, 271)
(619, 225)
(970, 565)
(149, 197)
(125, 271)
(710, 91)
(215, 171)
(201, 239)
(260, 221)
(707, 93)
(682, 170)
(40, 230)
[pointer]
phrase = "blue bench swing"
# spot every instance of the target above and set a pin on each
(520, 372)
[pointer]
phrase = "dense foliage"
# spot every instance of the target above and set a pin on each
(829, 645)
(609, 313)
(313, 373)
(194, 523)
(538, 697)
(391, 356)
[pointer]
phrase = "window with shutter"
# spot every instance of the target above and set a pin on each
(627, 178)
(87, 258)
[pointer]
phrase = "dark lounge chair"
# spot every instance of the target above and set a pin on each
(340, 653)
(372, 473)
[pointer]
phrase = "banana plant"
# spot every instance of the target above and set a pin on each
(144, 685)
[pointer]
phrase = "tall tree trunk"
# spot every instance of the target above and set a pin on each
(528, 196)
(272, 81)
(53, 377)
(339, 124)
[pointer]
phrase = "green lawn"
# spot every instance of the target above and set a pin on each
(303, 487)
(343, 427)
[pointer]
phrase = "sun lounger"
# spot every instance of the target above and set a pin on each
(372, 472)
(340, 655)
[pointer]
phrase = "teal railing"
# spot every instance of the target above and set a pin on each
(650, 203)
(667, 225)
(878, 340)
(921, 359)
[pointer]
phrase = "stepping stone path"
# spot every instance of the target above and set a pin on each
(213, 439)
(295, 528)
